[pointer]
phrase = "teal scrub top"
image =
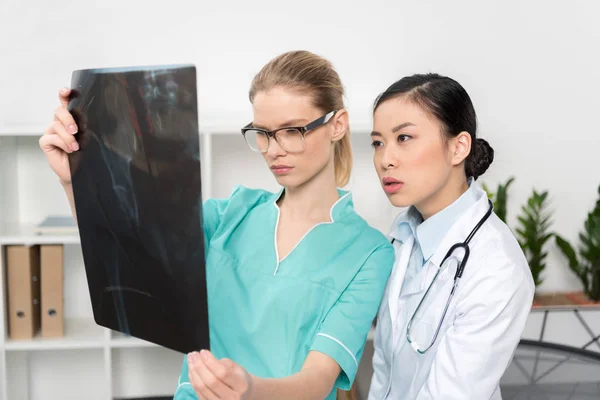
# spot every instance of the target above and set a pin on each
(265, 314)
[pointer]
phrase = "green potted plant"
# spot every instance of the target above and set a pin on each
(499, 198)
(533, 232)
(587, 265)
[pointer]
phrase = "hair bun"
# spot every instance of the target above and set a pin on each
(481, 159)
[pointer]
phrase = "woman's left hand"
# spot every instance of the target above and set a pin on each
(214, 379)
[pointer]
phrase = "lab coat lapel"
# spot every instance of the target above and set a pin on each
(396, 281)
(417, 284)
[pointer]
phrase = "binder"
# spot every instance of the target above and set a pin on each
(23, 272)
(52, 302)
(57, 224)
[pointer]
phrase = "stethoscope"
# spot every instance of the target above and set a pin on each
(459, 271)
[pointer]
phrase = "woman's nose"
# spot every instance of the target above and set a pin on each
(275, 149)
(389, 158)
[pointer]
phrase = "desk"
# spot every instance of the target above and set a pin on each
(548, 371)
(572, 325)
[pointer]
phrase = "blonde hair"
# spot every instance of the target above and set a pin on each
(308, 72)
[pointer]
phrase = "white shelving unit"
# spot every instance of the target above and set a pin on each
(95, 363)
(88, 357)
(90, 361)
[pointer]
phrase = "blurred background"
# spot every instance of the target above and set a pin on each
(532, 69)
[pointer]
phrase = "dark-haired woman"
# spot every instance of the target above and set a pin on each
(458, 298)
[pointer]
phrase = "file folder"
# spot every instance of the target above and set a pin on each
(23, 273)
(52, 278)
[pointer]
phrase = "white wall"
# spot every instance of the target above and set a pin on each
(532, 69)
(8, 183)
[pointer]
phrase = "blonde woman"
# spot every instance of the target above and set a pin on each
(295, 277)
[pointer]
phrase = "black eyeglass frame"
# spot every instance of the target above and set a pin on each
(302, 129)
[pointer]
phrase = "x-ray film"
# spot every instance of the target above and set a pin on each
(137, 187)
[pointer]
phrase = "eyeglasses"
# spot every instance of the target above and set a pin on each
(291, 139)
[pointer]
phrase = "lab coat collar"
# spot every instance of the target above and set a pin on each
(431, 232)
(405, 225)
(457, 233)
(464, 224)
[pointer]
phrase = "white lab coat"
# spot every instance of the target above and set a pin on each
(482, 327)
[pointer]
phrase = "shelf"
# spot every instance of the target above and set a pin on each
(11, 234)
(226, 128)
(45, 375)
(361, 127)
(121, 341)
(81, 333)
(37, 131)
(22, 130)
(131, 368)
(167, 397)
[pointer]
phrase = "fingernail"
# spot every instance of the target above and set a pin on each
(75, 146)
(203, 354)
(64, 90)
(72, 128)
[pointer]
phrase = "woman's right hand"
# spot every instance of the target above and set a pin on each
(58, 140)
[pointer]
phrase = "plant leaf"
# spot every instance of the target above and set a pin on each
(569, 252)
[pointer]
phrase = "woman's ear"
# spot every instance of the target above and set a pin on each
(340, 125)
(461, 147)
